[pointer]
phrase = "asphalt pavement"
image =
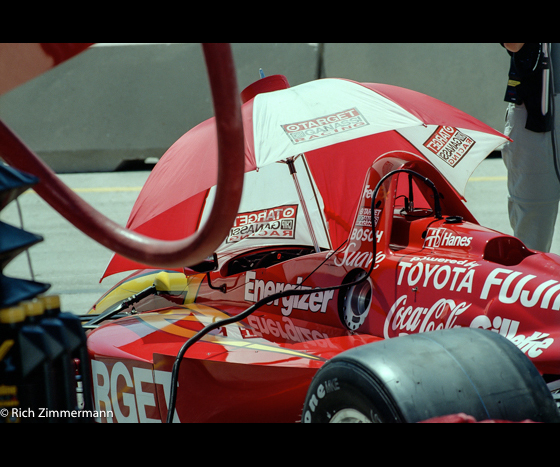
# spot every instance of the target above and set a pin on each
(73, 263)
(68, 259)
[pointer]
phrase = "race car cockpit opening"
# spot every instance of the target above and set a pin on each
(409, 207)
(507, 251)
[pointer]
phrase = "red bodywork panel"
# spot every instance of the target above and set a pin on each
(429, 274)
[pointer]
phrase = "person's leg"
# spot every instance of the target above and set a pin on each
(534, 189)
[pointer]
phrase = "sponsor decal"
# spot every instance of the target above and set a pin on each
(449, 144)
(129, 393)
(277, 222)
(509, 293)
(358, 259)
(257, 289)
(457, 276)
(440, 236)
(327, 125)
(353, 256)
(532, 345)
(405, 319)
(364, 217)
(439, 276)
(365, 235)
(286, 329)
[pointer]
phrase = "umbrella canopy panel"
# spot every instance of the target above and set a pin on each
(272, 212)
(336, 129)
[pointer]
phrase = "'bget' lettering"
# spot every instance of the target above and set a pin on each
(138, 402)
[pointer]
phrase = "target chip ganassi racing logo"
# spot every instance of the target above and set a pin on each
(327, 125)
(279, 221)
(449, 144)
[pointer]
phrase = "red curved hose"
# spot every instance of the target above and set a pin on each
(158, 253)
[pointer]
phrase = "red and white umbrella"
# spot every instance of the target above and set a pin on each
(333, 129)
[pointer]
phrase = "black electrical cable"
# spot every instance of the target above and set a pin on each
(241, 316)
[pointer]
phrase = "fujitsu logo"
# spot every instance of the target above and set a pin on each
(442, 237)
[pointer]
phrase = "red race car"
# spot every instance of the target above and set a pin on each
(354, 285)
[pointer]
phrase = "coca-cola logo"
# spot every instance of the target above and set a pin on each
(407, 319)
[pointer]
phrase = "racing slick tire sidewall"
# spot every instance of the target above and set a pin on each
(421, 376)
(343, 385)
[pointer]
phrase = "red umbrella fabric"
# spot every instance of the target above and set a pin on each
(335, 128)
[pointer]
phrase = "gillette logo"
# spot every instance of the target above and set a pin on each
(443, 237)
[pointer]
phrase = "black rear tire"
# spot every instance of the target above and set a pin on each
(421, 376)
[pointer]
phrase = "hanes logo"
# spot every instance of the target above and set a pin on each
(438, 237)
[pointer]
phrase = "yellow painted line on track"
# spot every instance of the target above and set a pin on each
(111, 189)
(97, 189)
(501, 178)
(106, 189)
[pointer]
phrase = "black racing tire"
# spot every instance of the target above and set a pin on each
(345, 392)
(417, 377)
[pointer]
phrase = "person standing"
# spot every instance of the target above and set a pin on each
(533, 182)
